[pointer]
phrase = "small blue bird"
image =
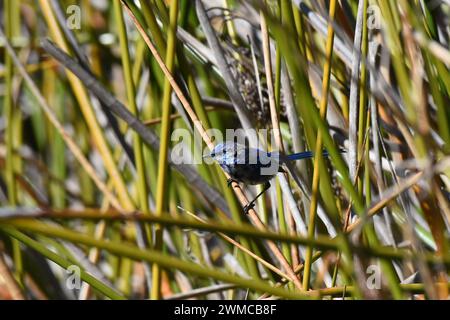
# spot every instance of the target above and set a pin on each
(252, 166)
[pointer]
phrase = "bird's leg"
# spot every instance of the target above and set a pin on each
(230, 181)
(251, 204)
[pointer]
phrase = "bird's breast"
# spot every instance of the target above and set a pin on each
(250, 173)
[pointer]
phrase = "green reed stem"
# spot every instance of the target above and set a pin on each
(162, 188)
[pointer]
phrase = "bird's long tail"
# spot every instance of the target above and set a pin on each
(304, 155)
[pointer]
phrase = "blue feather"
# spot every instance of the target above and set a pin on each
(303, 155)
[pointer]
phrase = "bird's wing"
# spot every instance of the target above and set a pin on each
(257, 156)
(242, 155)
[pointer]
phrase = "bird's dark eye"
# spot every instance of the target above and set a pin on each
(213, 154)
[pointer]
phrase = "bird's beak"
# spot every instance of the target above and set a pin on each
(207, 156)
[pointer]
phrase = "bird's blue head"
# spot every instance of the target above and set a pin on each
(225, 152)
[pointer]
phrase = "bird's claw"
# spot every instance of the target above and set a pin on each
(248, 207)
(229, 182)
